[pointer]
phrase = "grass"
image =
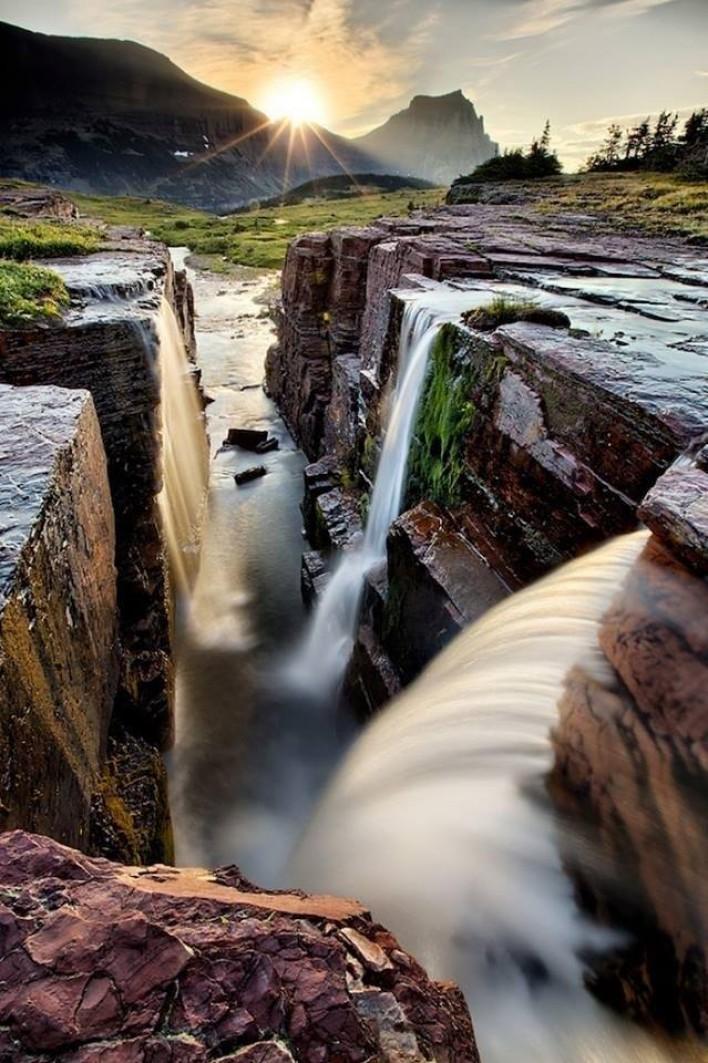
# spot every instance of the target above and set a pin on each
(662, 204)
(436, 463)
(258, 237)
(22, 240)
(505, 310)
(30, 293)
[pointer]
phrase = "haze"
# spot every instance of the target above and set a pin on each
(579, 63)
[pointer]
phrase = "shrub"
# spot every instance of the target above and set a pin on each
(515, 164)
(30, 293)
(505, 310)
(446, 415)
(22, 240)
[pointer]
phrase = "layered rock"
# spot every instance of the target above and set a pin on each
(107, 344)
(631, 758)
(437, 585)
(58, 619)
(565, 429)
(106, 347)
(101, 962)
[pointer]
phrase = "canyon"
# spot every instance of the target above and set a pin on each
(561, 403)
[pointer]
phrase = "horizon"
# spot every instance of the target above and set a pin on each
(514, 84)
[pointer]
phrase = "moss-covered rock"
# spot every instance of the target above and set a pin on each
(30, 293)
(458, 378)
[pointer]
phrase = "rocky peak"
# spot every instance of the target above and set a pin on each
(437, 137)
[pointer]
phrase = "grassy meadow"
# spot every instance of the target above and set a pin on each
(257, 237)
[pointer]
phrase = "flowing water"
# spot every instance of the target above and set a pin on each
(440, 821)
(320, 662)
(438, 818)
(184, 452)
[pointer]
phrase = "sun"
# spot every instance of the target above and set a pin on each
(296, 100)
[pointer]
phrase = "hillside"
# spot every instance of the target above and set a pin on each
(113, 117)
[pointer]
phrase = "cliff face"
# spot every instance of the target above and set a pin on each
(58, 618)
(437, 137)
(156, 963)
(105, 346)
(631, 763)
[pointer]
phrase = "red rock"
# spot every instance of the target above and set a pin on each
(115, 965)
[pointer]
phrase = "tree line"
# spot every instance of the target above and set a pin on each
(661, 146)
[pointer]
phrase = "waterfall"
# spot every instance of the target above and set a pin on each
(438, 820)
(321, 661)
(184, 451)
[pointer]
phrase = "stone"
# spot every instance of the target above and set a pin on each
(254, 473)
(58, 631)
(267, 446)
(437, 584)
(676, 510)
(371, 680)
(330, 510)
(314, 576)
(121, 964)
(246, 438)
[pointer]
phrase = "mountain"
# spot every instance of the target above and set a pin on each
(436, 137)
(115, 117)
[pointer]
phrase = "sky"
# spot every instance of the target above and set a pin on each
(578, 63)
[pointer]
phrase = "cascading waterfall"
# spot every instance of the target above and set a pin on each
(439, 821)
(184, 451)
(321, 661)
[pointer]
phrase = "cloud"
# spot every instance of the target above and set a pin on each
(539, 17)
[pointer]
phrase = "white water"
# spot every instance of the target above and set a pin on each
(321, 661)
(184, 451)
(438, 821)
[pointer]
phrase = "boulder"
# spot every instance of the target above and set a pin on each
(103, 962)
(676, 509)
(254, 473)
(246, 438)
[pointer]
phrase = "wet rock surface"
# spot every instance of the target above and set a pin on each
(630, 763)
(58, 630)
(102, 962)
(106, 345)
(571, 426)
(437, 584)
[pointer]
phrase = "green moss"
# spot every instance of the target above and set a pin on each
(505, 310)
(22, 240)
(454, 387)
(30, 293)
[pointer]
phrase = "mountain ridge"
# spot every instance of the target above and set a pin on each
(116, 117)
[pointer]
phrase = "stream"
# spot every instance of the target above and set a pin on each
(438, 817)
(247, 763)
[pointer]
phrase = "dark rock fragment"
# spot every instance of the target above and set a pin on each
(254, 473)
(246, 438)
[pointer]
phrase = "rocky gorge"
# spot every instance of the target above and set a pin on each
(563, 403)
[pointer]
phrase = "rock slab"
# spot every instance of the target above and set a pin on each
(58, 632)
(100, 962)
